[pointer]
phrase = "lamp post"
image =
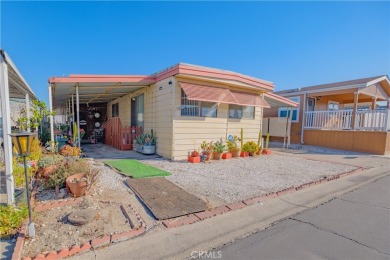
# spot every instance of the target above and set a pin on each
(22, 143)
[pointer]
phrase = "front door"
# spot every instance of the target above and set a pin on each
(311, 103)
(137, 111)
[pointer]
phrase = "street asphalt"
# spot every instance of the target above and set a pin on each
(353, 226)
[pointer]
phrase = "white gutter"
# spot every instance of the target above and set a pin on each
(320, 90)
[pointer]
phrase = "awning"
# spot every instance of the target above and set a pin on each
(249, 99)
(221, 95)
(208, 94)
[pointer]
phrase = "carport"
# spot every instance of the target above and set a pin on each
(12, 85)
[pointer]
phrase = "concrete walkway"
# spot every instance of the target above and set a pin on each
(101, 152)
(182, 242)
(353, 226)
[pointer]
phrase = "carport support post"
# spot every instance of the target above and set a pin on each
(71, 127)
(28, 115)
(355, 103)
(5, 108)
(51, 117)
(78, 115)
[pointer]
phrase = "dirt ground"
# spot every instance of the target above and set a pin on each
(54, 232)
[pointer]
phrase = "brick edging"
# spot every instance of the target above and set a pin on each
(104, 240)
(42, 206)
(195, 217)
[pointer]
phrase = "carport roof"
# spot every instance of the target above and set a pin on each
(18, 86)
(104, 88)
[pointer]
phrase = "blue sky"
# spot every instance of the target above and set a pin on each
(293, 44)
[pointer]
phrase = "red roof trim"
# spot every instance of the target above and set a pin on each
(177, 69)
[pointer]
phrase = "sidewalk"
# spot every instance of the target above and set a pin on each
(179, 243)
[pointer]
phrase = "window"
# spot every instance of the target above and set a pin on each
(237, 111)
(197, 108)
(285, 111)
(333, 106)
(115, 110)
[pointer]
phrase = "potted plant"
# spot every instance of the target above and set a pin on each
(250, 147)
(78, 184)
(219, 148)
(207, 149)
(194, 157)
(232, 146)
(48, 163)
(266, 150)
(146, 143)
(243, 152)
(57, 178)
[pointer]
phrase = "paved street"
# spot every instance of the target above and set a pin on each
(353, 226)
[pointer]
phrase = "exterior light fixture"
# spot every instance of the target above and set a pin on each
(22, 142)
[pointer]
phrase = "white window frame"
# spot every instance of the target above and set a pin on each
(333, 103)
(295, 99)
(198, 104)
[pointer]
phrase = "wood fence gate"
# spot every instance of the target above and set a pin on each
(118, 136)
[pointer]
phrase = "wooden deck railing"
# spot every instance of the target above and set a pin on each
(377, 120)
(118, 136)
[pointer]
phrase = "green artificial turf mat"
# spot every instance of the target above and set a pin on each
(136, 169)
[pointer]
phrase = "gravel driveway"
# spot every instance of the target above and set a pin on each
(227, 181)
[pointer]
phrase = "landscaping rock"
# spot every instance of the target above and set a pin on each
(82, 217)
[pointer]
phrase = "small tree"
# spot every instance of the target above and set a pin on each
(38, 110)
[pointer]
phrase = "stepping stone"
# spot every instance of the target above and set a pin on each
(82, 217)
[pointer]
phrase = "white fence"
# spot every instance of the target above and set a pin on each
(378, 120)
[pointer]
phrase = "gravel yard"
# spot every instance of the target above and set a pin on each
(227, 181)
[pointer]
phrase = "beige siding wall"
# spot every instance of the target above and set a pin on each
(157, 112)
(189, 132)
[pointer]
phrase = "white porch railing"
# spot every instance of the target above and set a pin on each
(378, 120)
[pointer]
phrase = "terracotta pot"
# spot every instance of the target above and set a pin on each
(217, 156)
(259, 151)
(244, 154)
(266, 151)
(251, 153)
(208, 155)
(194, 159)
(77, 188)
(226, 156)
(235, 153)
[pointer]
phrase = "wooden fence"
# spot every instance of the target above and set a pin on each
(118, 136)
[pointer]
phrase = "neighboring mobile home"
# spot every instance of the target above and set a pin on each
(184, 104)
(349, 115)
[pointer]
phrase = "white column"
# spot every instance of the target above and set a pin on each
(78, 115)
(5, 108)
(72, 112)
(51, 116)
(303, 115)
(28, 114)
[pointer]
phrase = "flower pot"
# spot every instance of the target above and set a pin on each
(235, 153)
(259, 151)
(251, 153)
(226, 156)
(78, 187)
(217, 156)
(266, 151)
(244, 154)
(146, 149)
(194, 159)
(208, 155)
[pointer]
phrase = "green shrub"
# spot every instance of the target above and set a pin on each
(50, 159)
(18, 173)
(250, 147)
(232, 144)
(11, 218)
(219, 147)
